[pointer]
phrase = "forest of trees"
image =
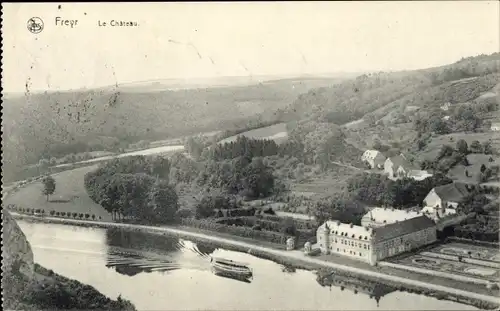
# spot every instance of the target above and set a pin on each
(378, 190)
(463, 118)
(248, 177)
(134, 188)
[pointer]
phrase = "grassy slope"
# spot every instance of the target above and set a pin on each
(432, 149)
(70, 195)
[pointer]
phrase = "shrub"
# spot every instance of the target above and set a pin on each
(74, 215)
(52, 213)
(184, 213)
(93, 217)
(57, 214)
(206, 224)
(80, 215)
(87, 216)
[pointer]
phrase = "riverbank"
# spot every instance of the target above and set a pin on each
(402, 280)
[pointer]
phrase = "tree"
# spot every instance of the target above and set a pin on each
(462, 146)
(49, 186)
(445, 151)
(476, 147)
(258, 180)
(194, 147)
(288, 227)
(438, 125)
(487, 148)
(162, 202)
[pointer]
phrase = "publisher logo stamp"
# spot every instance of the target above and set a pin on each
(35, 25)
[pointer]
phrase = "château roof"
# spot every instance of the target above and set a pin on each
(387, 232)
(389, 215)
(348, 230)
(401, 228)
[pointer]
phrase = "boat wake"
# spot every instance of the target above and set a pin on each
(132, 262)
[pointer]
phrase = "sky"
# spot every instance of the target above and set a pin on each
(206, 40)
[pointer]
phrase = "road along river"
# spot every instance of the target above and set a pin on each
(172, 273)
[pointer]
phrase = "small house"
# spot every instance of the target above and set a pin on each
(397, 167)
(374, 158)
(495, 126)
(446, 196)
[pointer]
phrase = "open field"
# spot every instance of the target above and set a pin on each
(70, 195)
(324, 186)
(432, 149)
(474, 168)
(363, 136)
(276, 132)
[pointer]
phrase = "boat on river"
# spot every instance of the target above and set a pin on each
(230, 268)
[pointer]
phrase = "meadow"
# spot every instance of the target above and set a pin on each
(432, 149)
(70, 195)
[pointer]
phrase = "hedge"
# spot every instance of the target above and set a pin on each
(267, 236)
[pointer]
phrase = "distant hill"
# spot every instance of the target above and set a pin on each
(381, 107)
(353, 98)
(50, 123)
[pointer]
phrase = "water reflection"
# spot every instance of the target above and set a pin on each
(167, 273)
(372, 289)
(131, 253)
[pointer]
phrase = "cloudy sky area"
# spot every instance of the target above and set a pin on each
(237, 39)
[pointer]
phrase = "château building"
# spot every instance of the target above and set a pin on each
(372, 244)
(381, 216)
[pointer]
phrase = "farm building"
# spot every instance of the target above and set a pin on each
(374, 244)
(397, 167)
(373, 157)
(446, 196)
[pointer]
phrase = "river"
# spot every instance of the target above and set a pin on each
(168, 273)
(144, 152)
